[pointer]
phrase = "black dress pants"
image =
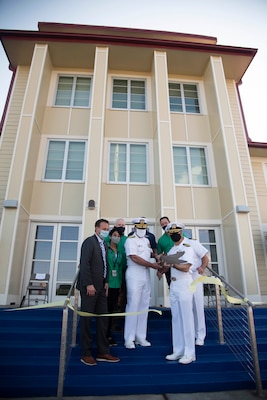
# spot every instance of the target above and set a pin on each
(97, 305)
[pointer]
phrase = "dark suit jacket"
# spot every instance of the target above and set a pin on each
(91, 265)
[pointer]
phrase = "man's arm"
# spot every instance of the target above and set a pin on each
(144, 263)
(205, 261)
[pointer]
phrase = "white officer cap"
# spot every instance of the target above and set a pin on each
(140, 223)
(174, 227)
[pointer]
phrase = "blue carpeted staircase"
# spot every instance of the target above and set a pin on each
(30, 347)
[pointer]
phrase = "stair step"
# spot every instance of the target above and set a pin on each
(30, 349)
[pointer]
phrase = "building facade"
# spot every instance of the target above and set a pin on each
(105, 122)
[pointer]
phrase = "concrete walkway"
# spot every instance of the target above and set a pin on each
(231, 395)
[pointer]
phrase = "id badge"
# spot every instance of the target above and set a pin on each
(114, 273)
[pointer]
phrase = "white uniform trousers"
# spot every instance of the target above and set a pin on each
(138, 298)
(198, 309)
(183, 331)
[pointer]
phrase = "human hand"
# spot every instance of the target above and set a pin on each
(90, 290)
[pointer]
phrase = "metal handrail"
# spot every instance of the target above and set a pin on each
(64, 329)
(251, 325)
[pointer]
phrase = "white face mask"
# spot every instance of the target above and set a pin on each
(140, 232)
(103, 234)
(115, 239)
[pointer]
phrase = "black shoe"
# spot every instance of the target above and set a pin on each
(112, 342)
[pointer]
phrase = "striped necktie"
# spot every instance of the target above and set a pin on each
(103, 256)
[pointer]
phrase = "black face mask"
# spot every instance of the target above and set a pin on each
(175, 237)
(121, 230)
(164, 227)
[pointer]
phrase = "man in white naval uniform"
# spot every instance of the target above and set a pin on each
(200, 262)
(181, 299)
(138, 253)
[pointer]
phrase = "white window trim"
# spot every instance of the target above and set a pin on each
(146, 79)
(60, 139)
(128, 142)
(72, 75)
(209, 163)
(200, 92)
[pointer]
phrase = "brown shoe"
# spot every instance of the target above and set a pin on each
(107, 358)
(88, 360)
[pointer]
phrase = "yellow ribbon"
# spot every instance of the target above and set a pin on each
(216, 281)
(45, 305)
(81, 313)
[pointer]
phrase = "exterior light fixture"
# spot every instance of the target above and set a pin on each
(91, 204)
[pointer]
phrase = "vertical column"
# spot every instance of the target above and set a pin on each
(238, 239)
(95, 140)
(14, 222)
(164, 137)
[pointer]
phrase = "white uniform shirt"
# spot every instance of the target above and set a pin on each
(139, 247)
(199, 251)
(187, 257)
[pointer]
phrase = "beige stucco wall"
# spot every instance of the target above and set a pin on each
(22, 171)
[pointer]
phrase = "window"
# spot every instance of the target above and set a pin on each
(73, 91)
(190, 166)
(128, 162)
(65, 160)
(129, 94)
(207, 237)
(183, 98)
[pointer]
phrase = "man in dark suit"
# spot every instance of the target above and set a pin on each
(93, 286)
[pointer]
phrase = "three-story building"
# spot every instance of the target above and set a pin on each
(106, 122)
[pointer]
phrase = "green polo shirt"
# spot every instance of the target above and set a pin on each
(165, 244)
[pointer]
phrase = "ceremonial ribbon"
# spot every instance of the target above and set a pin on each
(82, 313)
(216, 281)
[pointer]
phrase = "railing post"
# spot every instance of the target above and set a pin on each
(75, 318)
(254, 350)
(219, 314)
(62, 357)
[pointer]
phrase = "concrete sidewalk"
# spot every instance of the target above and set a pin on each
(231, 395)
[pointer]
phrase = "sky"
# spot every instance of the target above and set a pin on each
(241, 23)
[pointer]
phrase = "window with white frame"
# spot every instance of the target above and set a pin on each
(190, 165)
(184, 97)
(73, 91)
(128, 163)
(207, 237)
(65, 160)
(129, 94)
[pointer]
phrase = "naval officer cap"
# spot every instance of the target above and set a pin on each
(140, 223)
(174, 227)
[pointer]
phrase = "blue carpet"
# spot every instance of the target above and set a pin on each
(30, 347)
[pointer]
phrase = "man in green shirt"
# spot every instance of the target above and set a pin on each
(164, 245)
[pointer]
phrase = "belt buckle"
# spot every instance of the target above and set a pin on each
(173, 278)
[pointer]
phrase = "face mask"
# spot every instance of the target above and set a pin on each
(140, 233)
(164, 227)
(115, 239)
(103, 234)
(175, 237)
(121, 230)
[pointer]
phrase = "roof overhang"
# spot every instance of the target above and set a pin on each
(257, 149)
(73, 46)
